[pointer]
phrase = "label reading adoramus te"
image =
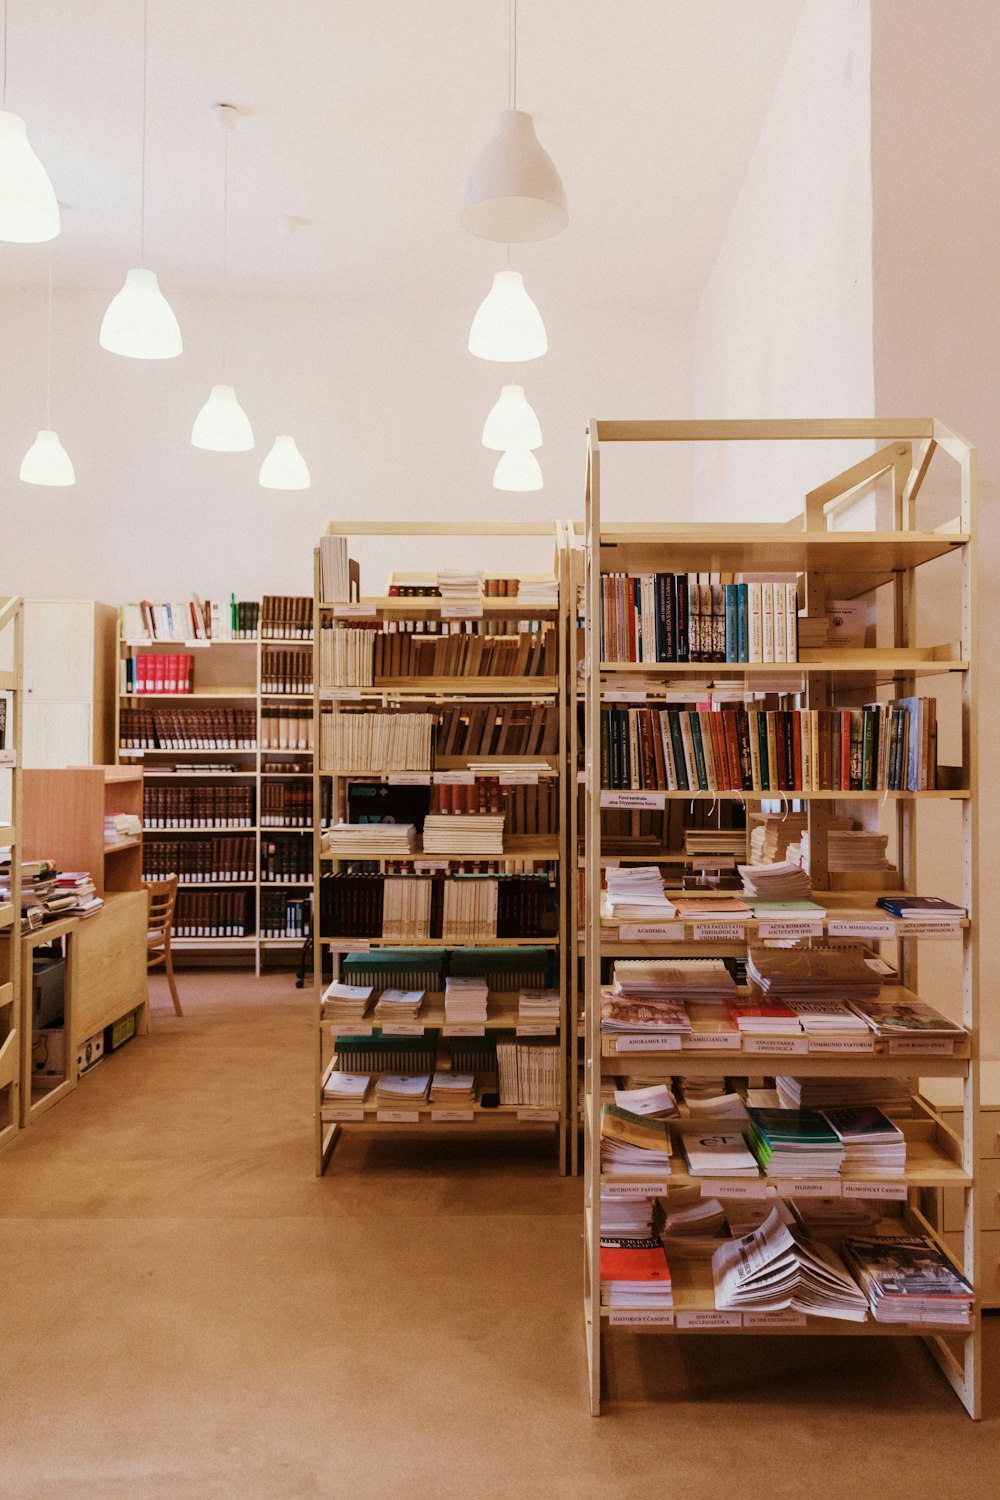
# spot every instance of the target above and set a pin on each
(633, 1317)
(776, 1046)
(709, 1318)
(718, 932)
(650, 800)
(662, 1043)
(651, 932)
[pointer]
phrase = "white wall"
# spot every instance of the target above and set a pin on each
(784, 325)
(385, 402)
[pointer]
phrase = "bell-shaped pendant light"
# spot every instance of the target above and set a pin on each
(29, 212)
(47, 462)
(222, 425)
(514, 193)
(518, 469)
(511, 422)
(140, 322)
(284, 468)
(507, 327)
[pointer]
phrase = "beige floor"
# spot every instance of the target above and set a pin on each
(189, 1312)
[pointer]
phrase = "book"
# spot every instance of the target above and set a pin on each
(634, 1272)
(889, 1018)
(717, 1154)
(908, 1279)
(633, 1141)
(925, 907)
(794, 1143)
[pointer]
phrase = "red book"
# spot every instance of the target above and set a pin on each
(732, 736)
(633, 1260)
(158, 674)
(797, 749)
(764, 1015)
(845, 750)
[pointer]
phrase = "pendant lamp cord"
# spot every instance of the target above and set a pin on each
(3, 95)
(225, 254)
(48, 352)
(142, 165)
(512, 56)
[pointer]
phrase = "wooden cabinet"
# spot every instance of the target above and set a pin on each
(945, 1207)
(69, 682)
(11, 700)
(64, 812)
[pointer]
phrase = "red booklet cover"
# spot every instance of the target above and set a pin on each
(771, 1010)
(633, 1260)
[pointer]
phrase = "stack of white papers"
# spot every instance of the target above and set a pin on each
(772, 1268)
(695, 979)
(346, 1003)
(626, 1216)
(346, 1088)
(458, 583)
(465, 998)
(464, 833)
(655, 1100)
(818, 1017)
(635, 894)
(717, 1154)
(777, 882)
(453, 1088)
(402, 1089)
(377, 840)
(538, 1007)
(399, 1005)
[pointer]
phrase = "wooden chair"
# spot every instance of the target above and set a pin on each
(162, 899)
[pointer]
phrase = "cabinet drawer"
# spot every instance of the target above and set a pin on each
(988, 1275)
(988, 1194)
(989, 1128)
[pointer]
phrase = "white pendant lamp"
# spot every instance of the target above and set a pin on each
(512, 423)
(140, 322)
(514, 193)
(222, 425)
(508, 327)
(518, 469)
(29, 212)
(284, 468)
(46, 461)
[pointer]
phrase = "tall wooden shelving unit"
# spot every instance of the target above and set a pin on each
(436, 693)
(886, 563)
(228, 673)
(11, 1021)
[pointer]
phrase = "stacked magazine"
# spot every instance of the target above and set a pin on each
(907, 1279)
(777, 1268)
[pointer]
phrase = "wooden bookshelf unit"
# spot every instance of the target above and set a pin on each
(11, 1015)
(890, 568)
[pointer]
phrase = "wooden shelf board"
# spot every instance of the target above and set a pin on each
(286, 640)
(523, 847)
(287, 942)
(6, 914)
(347, 945)
(857, 662)
(7, 993)
(725, 548)
(196, 776)
(137, 643)
(501, 1016)
(216, 885)
(121, 844)
(303, 885)
(8, 682)
(222, 942)
(481, 1115)
(288, 697)
(955, 794)
(448, 687)
(159, 833)
(175, 751)
(198, 693)
(492, 606)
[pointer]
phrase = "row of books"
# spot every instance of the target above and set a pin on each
(521, 1073)
(664, 617)
(286, 670)
(198, 806)
(376, 741)
(504, 970)
(158, 672)
(484, 729)
(459, 909)
(188, 729)
(191, 620)
(352, 656)
(883, 746)
(466, 1002)
(49, 894)
(286, 617)
(200, 861)
(287, 804)
(530, 808)
(286, 728)
(286, 860)
(334, 569)
(283, 916)
(213, 914)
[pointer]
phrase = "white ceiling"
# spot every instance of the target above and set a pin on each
(364, 119)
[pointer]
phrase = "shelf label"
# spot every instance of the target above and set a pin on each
(790, 929)
(548, 1116)
(662, 1042)
(342, 694)
(409, 778)
(655, 801)
(718, 932)
(343, 1116)
(776, 1317)
(137, 754)
(8, 757)
(581, 777)
(713, 1041)
(841, 1044)
(359, 1030)
(651, 932)
(454, 1028)
(429, 866)
(893, 1192)
(455, 778)
(914, 927)
(453, 1116)
(353, 611)
(633, 1189)
(403, 1028)
(837, 927)
(624, 695)
(194, 645)
(631, 1317)
(536, 1028)
(518, 778)
(929, 1046)
(350, 945)
(742, 1188)
(397, 1116)
(461, 611)
(811, 1187)
(709, 1318)
(776, 1046)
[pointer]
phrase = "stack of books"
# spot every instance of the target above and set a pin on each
(768, 1017)
(402, 1090)
(895, 1095)
(626, 1217)
(653, 1015)
(873, 1145)
(775, 1268)
(453, 1089)
(458, 583)
(346, 1088)
(771, 837)
(655, 1099)
(794, 1143)
(335, 569)
(371, 840)
(464, 833)
(543, 593)
(924, 909)
(906, 1018)
(712, 1153)
(715, 842)
(851, 849)
(634, 1273)
(697, 979)
(776, 882)
(712, 908)
(633, 1143)
(465, 999)
(821, 1017)
(538, 1008)
(907, 1279)
(635, 894)
(812, 974)
(399, 1005)
(74, 894)
(346, 1004)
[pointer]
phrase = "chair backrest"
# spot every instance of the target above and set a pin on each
(162, 898)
